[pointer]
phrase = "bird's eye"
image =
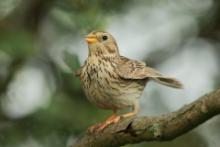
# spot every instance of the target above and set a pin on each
(104, 37)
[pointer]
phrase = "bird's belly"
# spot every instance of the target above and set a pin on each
(113, 93)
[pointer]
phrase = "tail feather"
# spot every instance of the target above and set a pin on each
(171, 82)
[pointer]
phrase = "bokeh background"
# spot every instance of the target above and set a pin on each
(42, 43)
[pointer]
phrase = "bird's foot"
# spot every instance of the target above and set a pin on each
(92, 128)
(101, 126)
(112, 120)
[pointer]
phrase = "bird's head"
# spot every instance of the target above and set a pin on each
(102, 43)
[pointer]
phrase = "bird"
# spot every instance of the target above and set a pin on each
(114, 82)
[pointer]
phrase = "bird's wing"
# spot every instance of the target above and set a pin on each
(77, 72)
(132, 69)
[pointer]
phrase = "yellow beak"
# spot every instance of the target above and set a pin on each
(91, 39)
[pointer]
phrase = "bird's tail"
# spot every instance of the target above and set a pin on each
(171, 82)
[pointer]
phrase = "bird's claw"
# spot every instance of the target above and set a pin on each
(101, 126)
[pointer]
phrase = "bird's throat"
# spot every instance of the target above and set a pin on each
(99, 51)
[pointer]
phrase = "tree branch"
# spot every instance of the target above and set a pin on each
(161, 128)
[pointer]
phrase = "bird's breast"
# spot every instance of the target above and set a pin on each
(104, 87)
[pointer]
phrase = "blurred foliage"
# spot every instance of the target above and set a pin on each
(17, 43)
(77, 14)
(69, 113)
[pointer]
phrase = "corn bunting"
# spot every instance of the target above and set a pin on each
(111, 81)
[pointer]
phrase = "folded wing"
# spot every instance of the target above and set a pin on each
(132, 69)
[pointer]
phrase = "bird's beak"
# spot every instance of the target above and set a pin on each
(91, 39)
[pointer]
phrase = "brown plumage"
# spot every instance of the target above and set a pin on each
(114, 82)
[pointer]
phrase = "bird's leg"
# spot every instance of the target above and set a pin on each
(114, 118)
(135, 110)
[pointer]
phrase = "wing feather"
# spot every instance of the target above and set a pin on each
(132, 69)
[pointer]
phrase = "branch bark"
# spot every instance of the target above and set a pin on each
(161, 128)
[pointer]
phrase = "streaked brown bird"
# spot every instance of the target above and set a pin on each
(111, 81)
